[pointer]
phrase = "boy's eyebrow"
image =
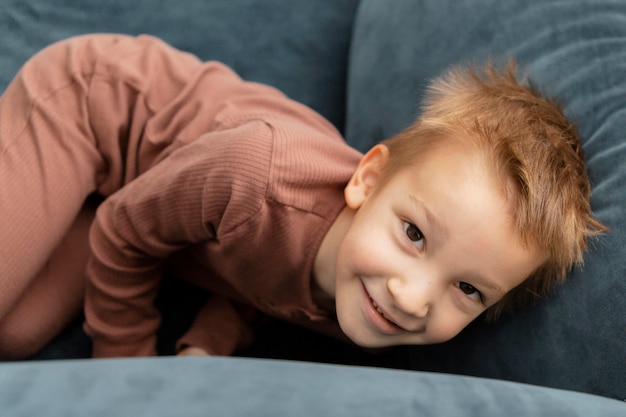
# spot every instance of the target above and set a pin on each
(482, 280)
(432, 219)
(434, 222)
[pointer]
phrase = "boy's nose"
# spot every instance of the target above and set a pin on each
(412, 296)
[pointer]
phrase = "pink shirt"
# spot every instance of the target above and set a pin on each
(227, 184)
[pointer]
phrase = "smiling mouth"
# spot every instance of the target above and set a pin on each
(382, 313)
(378, 316)
(382, 321)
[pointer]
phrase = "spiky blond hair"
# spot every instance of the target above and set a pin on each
(531, 146)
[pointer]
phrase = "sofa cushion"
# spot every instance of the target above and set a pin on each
(301, 49)
(574, 51)
(200, 386)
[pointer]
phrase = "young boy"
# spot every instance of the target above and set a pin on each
(233, 187)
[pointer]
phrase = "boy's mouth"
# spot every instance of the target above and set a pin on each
(390, 326)
(382, 313)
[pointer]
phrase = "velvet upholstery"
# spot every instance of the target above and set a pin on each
(574, 51)
(262, 40)
(253, 387)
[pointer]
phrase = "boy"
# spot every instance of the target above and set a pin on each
(232, 187)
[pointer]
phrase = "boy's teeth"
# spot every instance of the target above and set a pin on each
(380, 311)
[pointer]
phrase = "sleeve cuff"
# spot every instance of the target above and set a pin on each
(220, 328)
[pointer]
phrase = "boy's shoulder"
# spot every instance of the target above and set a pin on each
(299, 155)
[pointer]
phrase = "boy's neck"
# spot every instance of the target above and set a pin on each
(323, 279)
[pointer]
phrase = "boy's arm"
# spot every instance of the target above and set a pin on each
(192, 196)
(135, 230)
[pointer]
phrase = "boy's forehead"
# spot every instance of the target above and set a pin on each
(458, 197)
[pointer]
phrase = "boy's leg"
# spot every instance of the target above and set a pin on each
(54, 297)
(87, 114)
(49, 164)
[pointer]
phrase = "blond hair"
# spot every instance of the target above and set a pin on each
(531, 145)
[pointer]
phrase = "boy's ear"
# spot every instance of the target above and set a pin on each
(367, 176)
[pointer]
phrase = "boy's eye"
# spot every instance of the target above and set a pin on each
(414, 234)
(471, 291)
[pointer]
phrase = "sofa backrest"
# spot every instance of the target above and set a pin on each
(301, 49)
(574, 51)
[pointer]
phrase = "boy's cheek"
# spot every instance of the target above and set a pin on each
(444, 330)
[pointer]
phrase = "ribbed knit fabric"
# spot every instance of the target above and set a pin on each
(229, 184)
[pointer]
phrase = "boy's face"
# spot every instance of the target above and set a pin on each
(426, 251)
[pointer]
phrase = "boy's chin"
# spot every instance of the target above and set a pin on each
(368, 343)
(363, 338)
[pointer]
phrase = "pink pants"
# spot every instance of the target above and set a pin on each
(65, 133)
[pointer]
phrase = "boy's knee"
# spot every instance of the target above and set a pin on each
(17, 342)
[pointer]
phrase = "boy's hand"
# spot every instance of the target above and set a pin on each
(193, 351)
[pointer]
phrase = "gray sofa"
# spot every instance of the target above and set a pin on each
(364, 64)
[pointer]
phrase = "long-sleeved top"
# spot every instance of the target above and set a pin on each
(228, 184)
(224, 183)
